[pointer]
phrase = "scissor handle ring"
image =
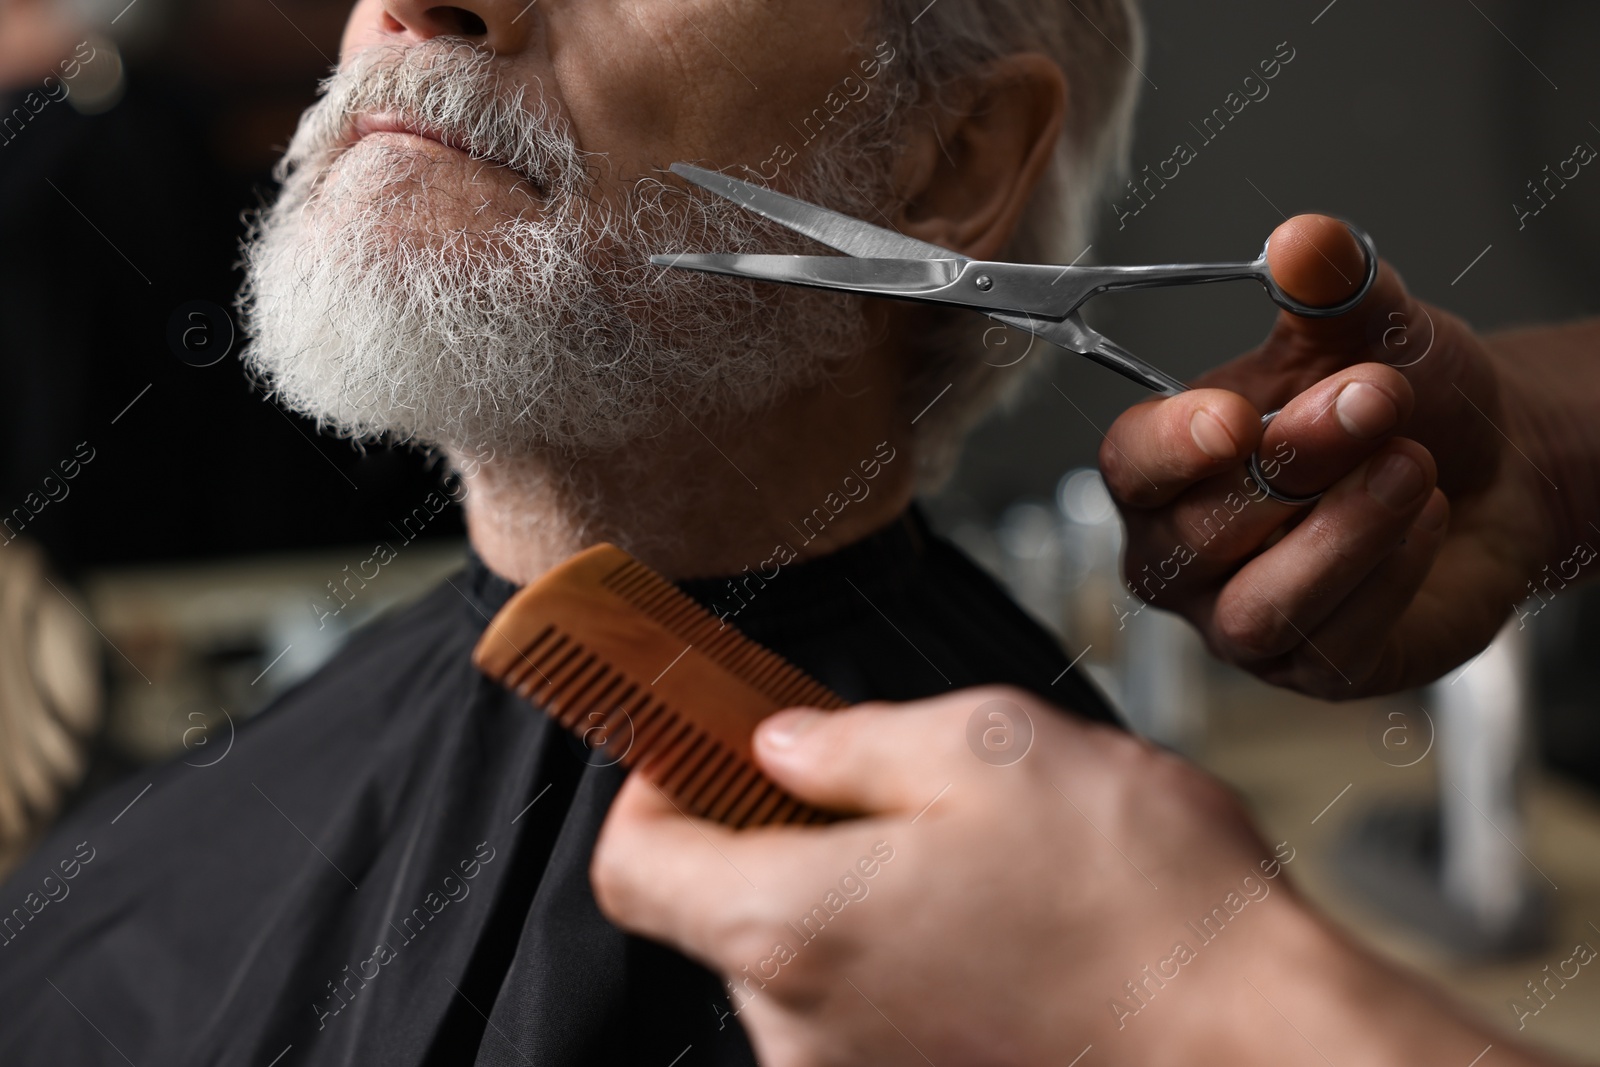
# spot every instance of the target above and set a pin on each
(1261, 479)
(1289, 303)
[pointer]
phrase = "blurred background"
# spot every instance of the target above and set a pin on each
(174, 549)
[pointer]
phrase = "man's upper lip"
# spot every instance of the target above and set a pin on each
(389, 122)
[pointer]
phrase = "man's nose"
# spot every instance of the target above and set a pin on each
(503, 26)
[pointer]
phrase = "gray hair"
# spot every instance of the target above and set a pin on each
(1097, 44)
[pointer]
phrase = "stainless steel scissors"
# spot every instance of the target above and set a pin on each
(1039, 299)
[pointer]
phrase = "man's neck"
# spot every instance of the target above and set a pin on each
(822, 470)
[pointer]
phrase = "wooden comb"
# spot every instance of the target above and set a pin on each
(620, 656)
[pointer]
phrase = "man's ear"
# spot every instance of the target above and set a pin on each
(971, 165)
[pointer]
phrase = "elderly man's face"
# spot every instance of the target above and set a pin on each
(645, 82)
(460, 252)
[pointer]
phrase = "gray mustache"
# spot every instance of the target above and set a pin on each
(454, 88)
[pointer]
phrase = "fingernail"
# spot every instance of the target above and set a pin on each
(1211, 437)
(1396, 481)
(1433, 515)
(783, 730)
(1365, 411)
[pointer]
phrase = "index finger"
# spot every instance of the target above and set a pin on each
(652, 862)
(701, 886)
(1157, 450)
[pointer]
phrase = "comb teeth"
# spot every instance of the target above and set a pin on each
(675, 611)
(591, 699)
(626, 661)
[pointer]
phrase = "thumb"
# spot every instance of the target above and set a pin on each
(1317, 260)
(872, 759)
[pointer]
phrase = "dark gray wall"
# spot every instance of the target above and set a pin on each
(1419, 120)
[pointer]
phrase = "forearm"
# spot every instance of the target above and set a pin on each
(1313, 997)
(1550, 376)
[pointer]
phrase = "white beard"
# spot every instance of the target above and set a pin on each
(521, 335)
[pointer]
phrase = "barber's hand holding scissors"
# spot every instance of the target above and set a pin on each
(1437, 507)
(1439, 455)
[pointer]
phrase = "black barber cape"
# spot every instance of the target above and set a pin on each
(390, 867)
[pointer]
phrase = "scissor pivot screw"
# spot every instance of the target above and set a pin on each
(985, 283)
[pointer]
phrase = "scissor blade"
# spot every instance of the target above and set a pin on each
(884, 277)
(848, 235)
(1075, 335)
